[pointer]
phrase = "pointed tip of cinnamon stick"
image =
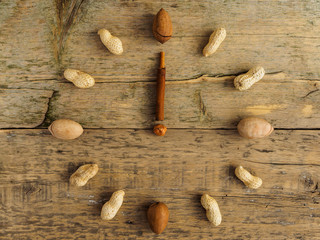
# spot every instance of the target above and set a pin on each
(162, 64)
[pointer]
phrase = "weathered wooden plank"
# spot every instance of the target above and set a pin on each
(39, 39)
(23, 108)
(184, 58)
(37, 201)
(26, 47)
(183, 159)
(281, 36)
(243, 218)
(205, 102)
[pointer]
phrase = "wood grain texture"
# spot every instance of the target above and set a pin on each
(23, 108)
(175, 169)
(205, 102)
(279, 35)
(39, 39)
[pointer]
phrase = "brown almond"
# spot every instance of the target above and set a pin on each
(162, 26)
(65, 129)
(254, 128)
(158, 216)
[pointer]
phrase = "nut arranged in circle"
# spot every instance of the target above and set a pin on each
(78, 78)
(253, 127)
(83, 174)
(110, 208)
(65, 129)
(113, 43)
(216, 38)
(212, 209)
(247, 178)
(245, 81)
(158, 217)
(162, 26)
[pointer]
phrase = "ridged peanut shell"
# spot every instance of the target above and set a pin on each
(212, 209)
(158, 217)
(162, 26)
(216, 38)
(247, 178)
(252, 128)
(78, 78)
(111, 208)
(112, 43)
(245, 81)
(65, 129)
(83, 174)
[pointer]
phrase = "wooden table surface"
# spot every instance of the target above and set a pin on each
(39, 39)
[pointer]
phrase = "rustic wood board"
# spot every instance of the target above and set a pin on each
(279, 35)
(39, 39)
(204, 102)
(175, 169)
(23, 108)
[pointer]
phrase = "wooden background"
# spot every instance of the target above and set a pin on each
(39, 39)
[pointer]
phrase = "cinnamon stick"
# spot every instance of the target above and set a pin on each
(161, 78)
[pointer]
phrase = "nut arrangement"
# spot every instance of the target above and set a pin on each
(216, 38)
(162, 26)
(253, 128)
(250, 128)
(110, 208)
(158, 217)
(65, 129)
(78, 78)
(247, 178)
(212, 209)
(83, 174)
(245, 81)
(113, 43)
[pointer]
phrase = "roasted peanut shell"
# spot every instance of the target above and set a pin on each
(247, 178)
(113, 43)
(245, 81)
(111, 208)
(83, 174)
(212, 209)
(78, 78)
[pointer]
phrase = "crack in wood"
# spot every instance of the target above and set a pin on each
(47, 119)
(316, 188)
(33, 190)
(67, 13)
(286, 164)
(202, 106)
(311, 93)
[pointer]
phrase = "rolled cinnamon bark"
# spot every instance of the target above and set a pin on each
(161, 78)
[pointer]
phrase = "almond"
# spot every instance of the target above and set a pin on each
(253, 127)
(158, 216)
(162, 26)
(65, 129)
